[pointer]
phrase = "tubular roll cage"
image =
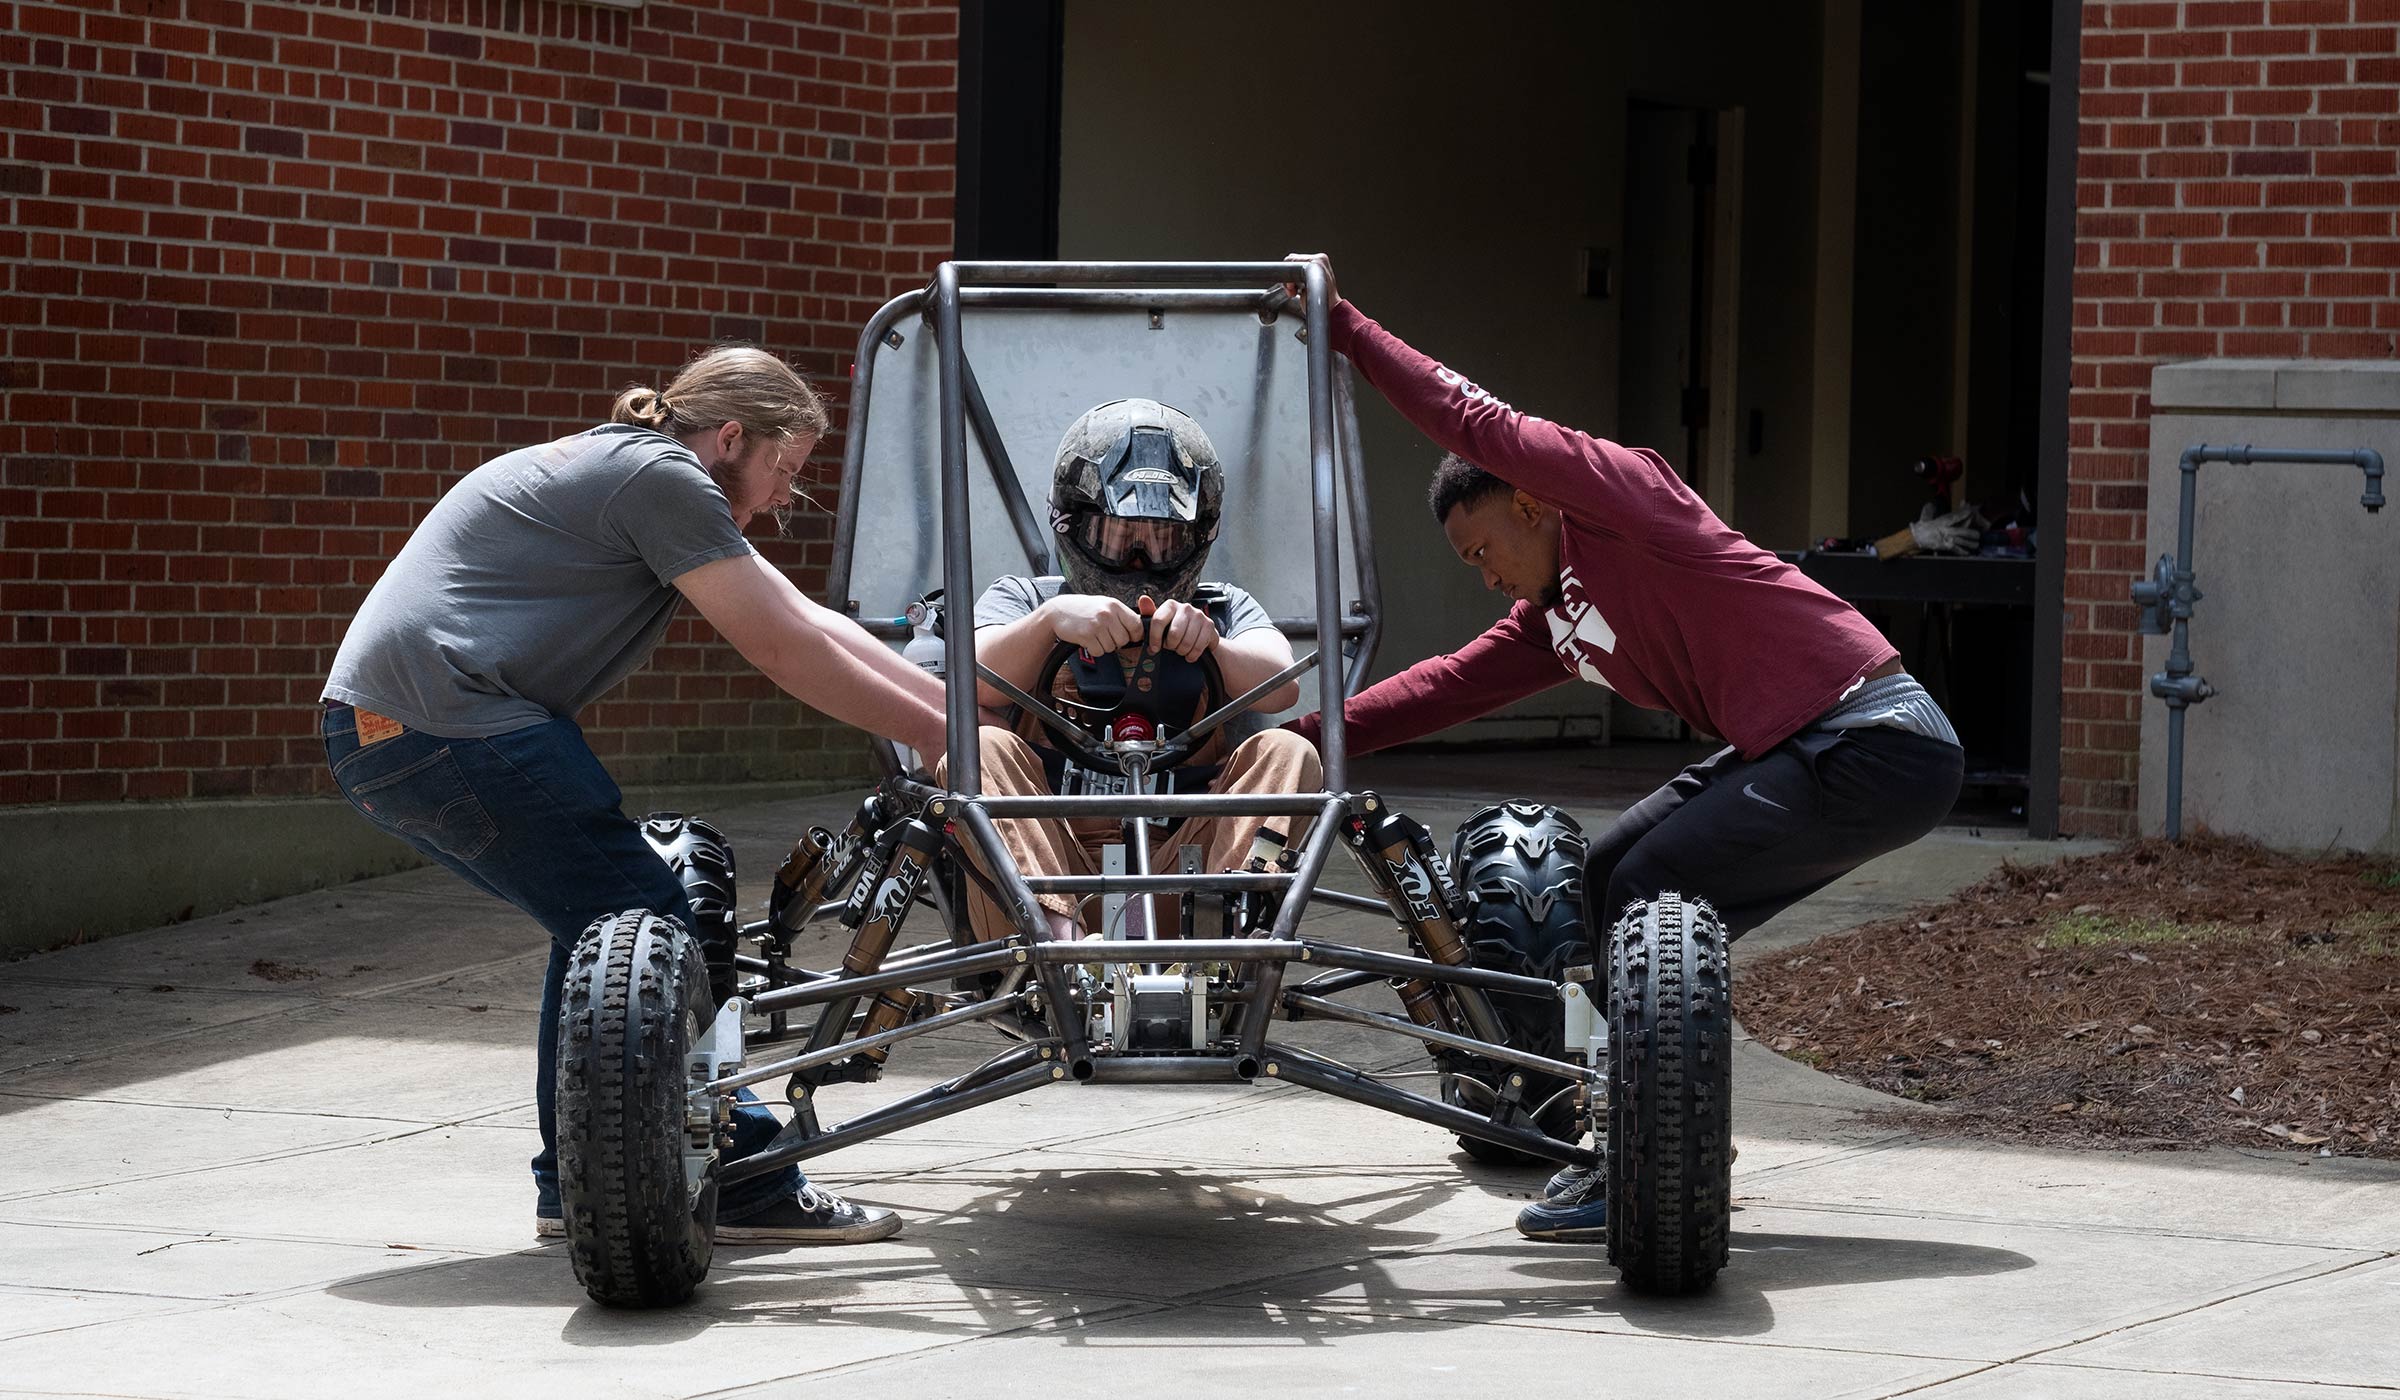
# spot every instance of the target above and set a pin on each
(1030, 974)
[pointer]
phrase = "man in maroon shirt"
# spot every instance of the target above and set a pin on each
(1621, 576)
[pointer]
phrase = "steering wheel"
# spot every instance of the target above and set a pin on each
(1091, 753)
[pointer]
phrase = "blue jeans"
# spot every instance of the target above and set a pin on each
(531, 817)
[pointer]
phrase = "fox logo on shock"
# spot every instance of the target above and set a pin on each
(893, 897)
(1415, 887)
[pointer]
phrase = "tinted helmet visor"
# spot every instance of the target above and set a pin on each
(1118, 543)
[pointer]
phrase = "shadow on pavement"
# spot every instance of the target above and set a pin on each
(1048, 1248)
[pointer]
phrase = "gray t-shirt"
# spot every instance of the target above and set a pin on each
(1015, 596)
(535, 585)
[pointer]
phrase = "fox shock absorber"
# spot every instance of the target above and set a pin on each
(800, 881)
(821, 861)
(873, 942)
(891, 898)
(875, 911)
(889, 1009)
(1422, 1003)
(1400, 859)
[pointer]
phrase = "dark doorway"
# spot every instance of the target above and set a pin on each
(1670, 253)
(1009, 67)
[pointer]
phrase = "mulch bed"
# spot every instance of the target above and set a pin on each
(2159, 995)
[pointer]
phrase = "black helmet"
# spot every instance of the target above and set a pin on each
(1135, 502)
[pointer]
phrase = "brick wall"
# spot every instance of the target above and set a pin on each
(2236, 196)
(277, 272)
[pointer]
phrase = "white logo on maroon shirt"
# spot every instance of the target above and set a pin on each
(1467, 388)
(1577, 630)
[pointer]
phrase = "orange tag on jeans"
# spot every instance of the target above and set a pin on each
(374, 728)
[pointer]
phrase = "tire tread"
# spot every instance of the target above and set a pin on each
(635, 1237)
(1670, 1083)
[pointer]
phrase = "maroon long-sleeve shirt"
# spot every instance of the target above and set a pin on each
(1662, 602)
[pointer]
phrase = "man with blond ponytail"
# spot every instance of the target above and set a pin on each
(534, 586)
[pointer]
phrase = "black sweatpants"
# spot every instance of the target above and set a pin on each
(1755, 837)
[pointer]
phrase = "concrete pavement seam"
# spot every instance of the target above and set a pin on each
(2210, 1375)
(2036, 1223)
(754, 1388)
(2268, 1285)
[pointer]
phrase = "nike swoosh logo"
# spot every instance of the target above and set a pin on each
(1750, 790)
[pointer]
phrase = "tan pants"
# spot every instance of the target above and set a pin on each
(1273, 761)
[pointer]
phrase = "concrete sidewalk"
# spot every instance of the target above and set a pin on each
(281, 1152)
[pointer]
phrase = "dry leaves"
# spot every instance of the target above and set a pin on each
(2157, 995)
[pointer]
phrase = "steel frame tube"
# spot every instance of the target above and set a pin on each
(1031, 537)
(938, 1102)
(1066, 285)
(1207, 724)
(1325, 984)
(1186, 950)
(1126, 298)
(958, 560)
(1268, 275)
(1324, 507)
(1198, 804)
(1032, 926)
(1258, 1008)
(1048, 716)
(1401, 965)
(1003, 869)
(1333, 1077)
(854, 443)
(1352, 626)
(1159, 884)
(1321, 839)
(1163, 1069)
(980, 1011)
(1370, 579)
(1490, 1050)
(1296, 628)
(1346, 900)
(985, 957)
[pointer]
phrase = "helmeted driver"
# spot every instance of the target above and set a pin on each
(1135, 503)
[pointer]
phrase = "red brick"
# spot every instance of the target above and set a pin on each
(2187, 43)
(2307, 72)
(2224, 72)
(2232, 194)
(2175, 102)
(2339, 164)
(2279, 223)
(2307, 255)
(2354, 345)
(2308, 12)
(2272, 163)
(337, 266)
(2218, 255)
(2273, 102)
(2188, 165)
(2378, 40)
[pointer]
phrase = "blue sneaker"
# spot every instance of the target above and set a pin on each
(1575, 1211)
(1567, 1179)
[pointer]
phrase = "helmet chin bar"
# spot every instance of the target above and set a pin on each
(1130, 586)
